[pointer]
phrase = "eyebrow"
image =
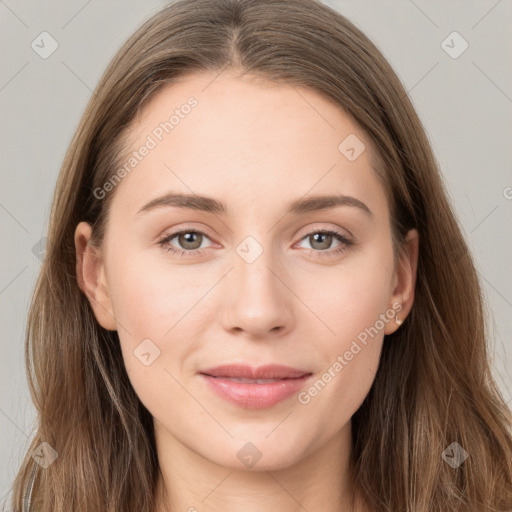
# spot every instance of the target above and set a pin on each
(297, 207)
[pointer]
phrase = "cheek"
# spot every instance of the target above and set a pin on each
(149, 294)
(154, 341)
(350, 357)
(155, 309)
(349, 298)
(355, 306)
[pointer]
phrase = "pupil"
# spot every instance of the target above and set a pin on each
(189, 239)
(318, 238)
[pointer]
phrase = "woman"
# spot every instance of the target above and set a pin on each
(320, 345)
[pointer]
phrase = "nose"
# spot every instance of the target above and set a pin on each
(257, 300)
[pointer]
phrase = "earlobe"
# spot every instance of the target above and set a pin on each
(90, 271)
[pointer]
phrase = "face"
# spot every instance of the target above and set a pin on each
(256, 274)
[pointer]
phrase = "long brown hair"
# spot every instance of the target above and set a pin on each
(434, 385)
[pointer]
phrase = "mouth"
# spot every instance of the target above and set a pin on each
(247, 381)
(264, 373)
(255, 388)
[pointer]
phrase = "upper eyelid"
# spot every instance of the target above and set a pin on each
(308, 231)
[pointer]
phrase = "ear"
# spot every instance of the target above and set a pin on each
(402, 297)
(90, 271)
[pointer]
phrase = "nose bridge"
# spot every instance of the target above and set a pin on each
(255, 258)
(257, 300)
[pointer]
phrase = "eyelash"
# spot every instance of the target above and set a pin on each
(346, 243)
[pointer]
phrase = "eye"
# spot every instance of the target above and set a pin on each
(321, 241)
(190, 242)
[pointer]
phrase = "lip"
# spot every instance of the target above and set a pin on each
(243, 371)
(255, 395)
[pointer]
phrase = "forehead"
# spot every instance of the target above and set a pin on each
(215, 135)
(248, 108)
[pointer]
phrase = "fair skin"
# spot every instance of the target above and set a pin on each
(256, 147)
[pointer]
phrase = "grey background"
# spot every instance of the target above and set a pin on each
(464, 103)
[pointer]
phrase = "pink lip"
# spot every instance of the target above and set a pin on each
(255, 395)
(269, 371)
